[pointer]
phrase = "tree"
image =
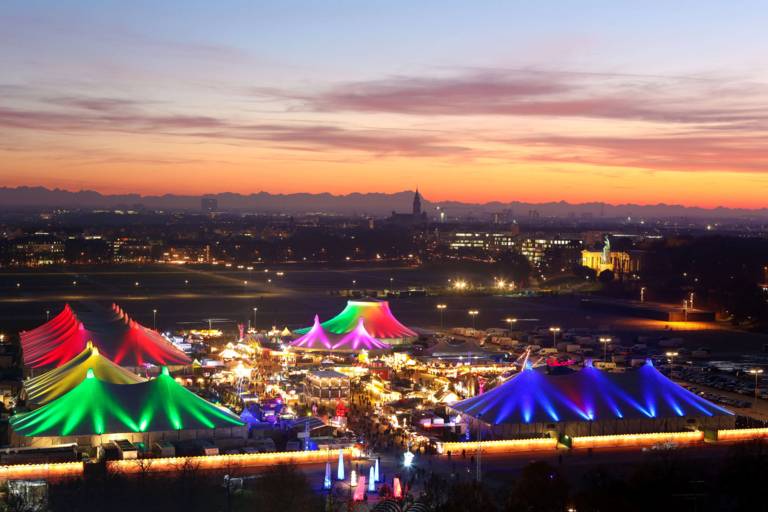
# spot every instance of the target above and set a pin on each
(282, 487)
(467, 497)
(541, 488)
(515, 264)
(606, 277)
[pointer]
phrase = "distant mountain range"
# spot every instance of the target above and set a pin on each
(374, 204)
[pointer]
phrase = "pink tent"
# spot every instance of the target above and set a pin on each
(315, 339)
(354, 341)
(359, 339)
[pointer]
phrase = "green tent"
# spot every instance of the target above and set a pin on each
(98, 407)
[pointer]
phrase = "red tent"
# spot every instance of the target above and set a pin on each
(113, 332)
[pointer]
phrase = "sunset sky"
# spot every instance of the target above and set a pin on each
(616, 101)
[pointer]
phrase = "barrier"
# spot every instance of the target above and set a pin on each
(742, 434)
(45, 470)
(502, 446)
(254, 460)
(240, 460)
(637, 440)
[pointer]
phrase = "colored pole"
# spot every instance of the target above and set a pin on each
(327, 479)
(340, 469)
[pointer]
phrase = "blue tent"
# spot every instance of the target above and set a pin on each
(590, 394)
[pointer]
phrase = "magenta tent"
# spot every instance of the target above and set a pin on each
(356, 340)
(117, 337)
(359, 339)
(315, 339)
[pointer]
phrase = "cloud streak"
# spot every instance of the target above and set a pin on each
(551, 94)
(114, 115)
(675, 152)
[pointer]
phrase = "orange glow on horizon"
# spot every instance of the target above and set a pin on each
(503, 183)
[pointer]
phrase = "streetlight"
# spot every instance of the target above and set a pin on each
(554, 331)
(154, 319)
(672, 356)
(605, 341)
(756, 372)
(642, 294)
(690, 301)
(510, 321)
(441, 309)
(47, 314)
(473, 313)
(255, 310)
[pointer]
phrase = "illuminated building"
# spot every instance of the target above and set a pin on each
(186, 252)
(618, 262)
(59, 381)
(536, 248)
(130, 250)
(592, 402)
(117, 336)
(95, 412)
(36, 250)
(486, 241)
(377, 318)
(326, 387)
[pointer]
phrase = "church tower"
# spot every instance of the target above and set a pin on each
(417, 203)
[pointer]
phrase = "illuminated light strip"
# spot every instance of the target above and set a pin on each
(742, 434)
(56, 469)
(241, 460)
(616, 441)
(508, 445)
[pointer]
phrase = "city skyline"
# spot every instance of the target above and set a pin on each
(596, 102)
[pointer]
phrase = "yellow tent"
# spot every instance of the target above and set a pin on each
(51, 385)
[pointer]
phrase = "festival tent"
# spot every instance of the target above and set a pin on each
(96, 407)
(376, 315)
(588, 395)
(315, 338)
(356, 340)
(117, 336)
(59, 381)
(359, 339)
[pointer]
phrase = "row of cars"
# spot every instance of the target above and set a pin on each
(730, 383)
